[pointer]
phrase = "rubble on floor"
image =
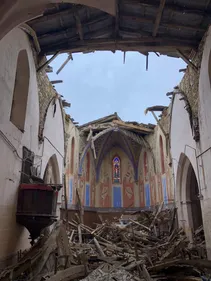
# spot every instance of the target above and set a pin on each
(148, 248)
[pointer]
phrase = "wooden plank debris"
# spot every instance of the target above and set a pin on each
(70, 57)
(56, 81)
(146, 248)
(43, 66)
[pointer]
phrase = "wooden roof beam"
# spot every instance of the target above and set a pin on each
(141, 45)
(139, 19)
(79, 26)
(117, 20)
(158, 17)
(171, 7)
(56, 81)
(92, 21)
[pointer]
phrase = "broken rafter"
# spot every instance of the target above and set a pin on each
(56, 81)
(159, 124)
(124, 57)
(48, 61)
(158, 17)
(70, 57)
(132, 127)
(78, 25)
(113, 124)
(186, 59)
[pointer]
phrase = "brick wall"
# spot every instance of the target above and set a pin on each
(190, 82)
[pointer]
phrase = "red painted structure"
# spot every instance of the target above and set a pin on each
(36, 208)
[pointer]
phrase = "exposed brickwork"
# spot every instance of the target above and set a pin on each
(46, 93)
(46, 90)
(190, 82)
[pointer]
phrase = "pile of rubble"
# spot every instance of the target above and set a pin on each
(148, 248)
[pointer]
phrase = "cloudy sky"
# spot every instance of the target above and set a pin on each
(99, 84)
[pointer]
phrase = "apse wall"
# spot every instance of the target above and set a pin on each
(116, 187)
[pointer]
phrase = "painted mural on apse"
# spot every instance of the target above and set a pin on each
(104, 191)
(128, 186)
(152, 190)
(142, 193)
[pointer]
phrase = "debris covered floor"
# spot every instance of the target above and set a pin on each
(148, 247)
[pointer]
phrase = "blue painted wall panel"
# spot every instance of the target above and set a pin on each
(87, 195)
(147, 194)
(165, 194)
(71, 191)
(117, 197)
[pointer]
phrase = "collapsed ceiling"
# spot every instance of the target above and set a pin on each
(109, 132)
(170, 27)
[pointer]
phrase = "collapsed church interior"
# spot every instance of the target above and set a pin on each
(54, 170)
(119, 165)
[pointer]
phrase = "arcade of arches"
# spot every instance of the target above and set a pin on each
(108, 163)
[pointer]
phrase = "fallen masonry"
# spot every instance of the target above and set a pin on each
(149, 247)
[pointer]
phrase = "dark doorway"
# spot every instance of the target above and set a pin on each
(193, 198)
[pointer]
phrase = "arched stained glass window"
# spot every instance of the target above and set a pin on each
(116, 170)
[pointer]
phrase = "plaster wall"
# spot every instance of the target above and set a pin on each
(197, 88)
(87, 181)
(181, 135)
(72, 176)
(182, 146)
(161, 182)
(205, 137)
(14, 237)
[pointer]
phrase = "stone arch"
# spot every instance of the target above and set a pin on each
(187, 196)
(20, 92)
(52, 174)
(89, 145)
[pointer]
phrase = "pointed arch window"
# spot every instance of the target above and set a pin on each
(116, 166)
(145, 165)
(87, 167)
(162, 155)
(72, 156)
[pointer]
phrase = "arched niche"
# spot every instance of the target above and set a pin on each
(188, 196)
(52, 175)
(20, 92)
